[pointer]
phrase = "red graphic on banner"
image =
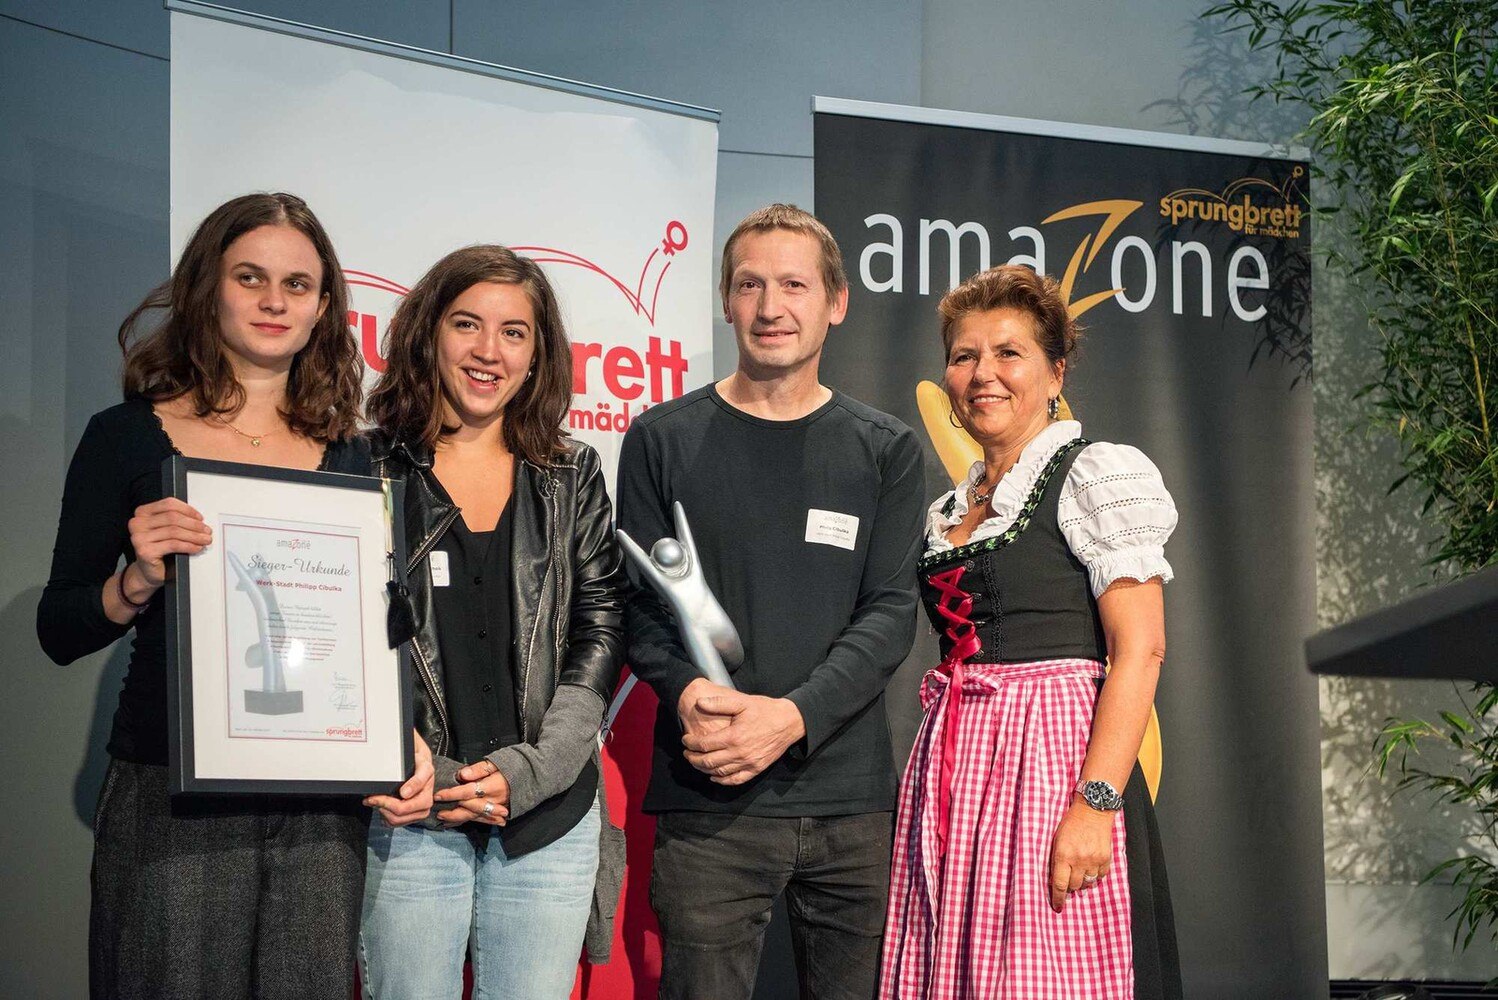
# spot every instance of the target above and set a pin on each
(675, 241)
(373, 281)
(366, 325)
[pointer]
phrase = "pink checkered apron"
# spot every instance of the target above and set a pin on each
(990, 776)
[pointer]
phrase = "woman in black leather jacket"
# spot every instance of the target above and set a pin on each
(515, 583)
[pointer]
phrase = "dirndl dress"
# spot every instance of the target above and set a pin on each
(1008, 716)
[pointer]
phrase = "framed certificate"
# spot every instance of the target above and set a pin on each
(280, 677)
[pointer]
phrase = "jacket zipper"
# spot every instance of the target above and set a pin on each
(431, 539)
(547, 492)
(423, 665)
(556, 622)
(425, 669)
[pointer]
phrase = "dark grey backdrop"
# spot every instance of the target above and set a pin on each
(1223, 407)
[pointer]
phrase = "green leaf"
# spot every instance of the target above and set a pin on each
(1456, 722)
(1402, 113)
(1399, 186)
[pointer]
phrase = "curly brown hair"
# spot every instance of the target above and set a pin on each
(184, 355)
(406, 402)
(1014, 286)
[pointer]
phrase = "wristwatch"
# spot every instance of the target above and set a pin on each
(1100, 795)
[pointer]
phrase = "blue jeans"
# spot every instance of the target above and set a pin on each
(429, 896)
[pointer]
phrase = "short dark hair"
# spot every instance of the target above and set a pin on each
(1014, 286)
(796, 220)
(406, 402)
(184, 354)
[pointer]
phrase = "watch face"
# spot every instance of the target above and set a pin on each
(1100, 795)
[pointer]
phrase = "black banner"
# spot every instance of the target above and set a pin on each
(1189, 270)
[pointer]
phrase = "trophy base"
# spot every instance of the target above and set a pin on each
(273, 702)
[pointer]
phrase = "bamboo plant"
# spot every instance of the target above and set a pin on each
(1403, 104)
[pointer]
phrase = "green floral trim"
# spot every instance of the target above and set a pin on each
(1030, 506)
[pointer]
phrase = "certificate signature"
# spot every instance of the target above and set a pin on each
(343, 694)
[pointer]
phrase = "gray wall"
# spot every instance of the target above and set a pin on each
(83, 233)
(83, 192)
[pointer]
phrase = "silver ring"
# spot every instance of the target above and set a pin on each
(1090, 879)
(488, 808)
(478, 790)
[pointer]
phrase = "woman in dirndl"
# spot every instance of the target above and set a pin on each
(1027, 862)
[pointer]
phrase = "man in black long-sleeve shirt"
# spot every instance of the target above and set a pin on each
(806, 508)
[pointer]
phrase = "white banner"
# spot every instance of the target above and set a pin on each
(405, 156)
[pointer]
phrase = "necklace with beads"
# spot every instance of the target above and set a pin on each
(978, 497)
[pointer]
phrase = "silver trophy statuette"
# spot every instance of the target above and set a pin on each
(675, 570)
(272, 698)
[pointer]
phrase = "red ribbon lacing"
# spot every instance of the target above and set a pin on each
(955, 605)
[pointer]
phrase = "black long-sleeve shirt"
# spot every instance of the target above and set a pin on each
(825, 606)
(116, 468)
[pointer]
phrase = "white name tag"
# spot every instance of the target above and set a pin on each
(437, 559)
(828, 527)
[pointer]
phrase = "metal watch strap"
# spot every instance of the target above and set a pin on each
(1100, 795)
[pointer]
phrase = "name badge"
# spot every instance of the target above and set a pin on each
(437, 559)
(828, 527)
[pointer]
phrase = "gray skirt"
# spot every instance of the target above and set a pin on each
(230, 897)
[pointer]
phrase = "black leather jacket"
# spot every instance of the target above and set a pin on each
(567, 582)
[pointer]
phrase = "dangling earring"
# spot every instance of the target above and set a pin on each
(1053, 408)
(952, 419)
(528, 373)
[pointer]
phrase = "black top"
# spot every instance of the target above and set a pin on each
(116, 468)
(475, 635)
(1031, 596)
(471, 598)
(825, 604)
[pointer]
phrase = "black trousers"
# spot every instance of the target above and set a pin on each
(716, 878)
(224, 897)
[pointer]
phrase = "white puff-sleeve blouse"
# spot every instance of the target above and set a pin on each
(1115, 512)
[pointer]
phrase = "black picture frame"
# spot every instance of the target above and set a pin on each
(182, 771)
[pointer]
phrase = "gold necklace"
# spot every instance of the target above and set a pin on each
(254, 439)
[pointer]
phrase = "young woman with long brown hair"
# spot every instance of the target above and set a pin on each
(515, 581)
(252, 362)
